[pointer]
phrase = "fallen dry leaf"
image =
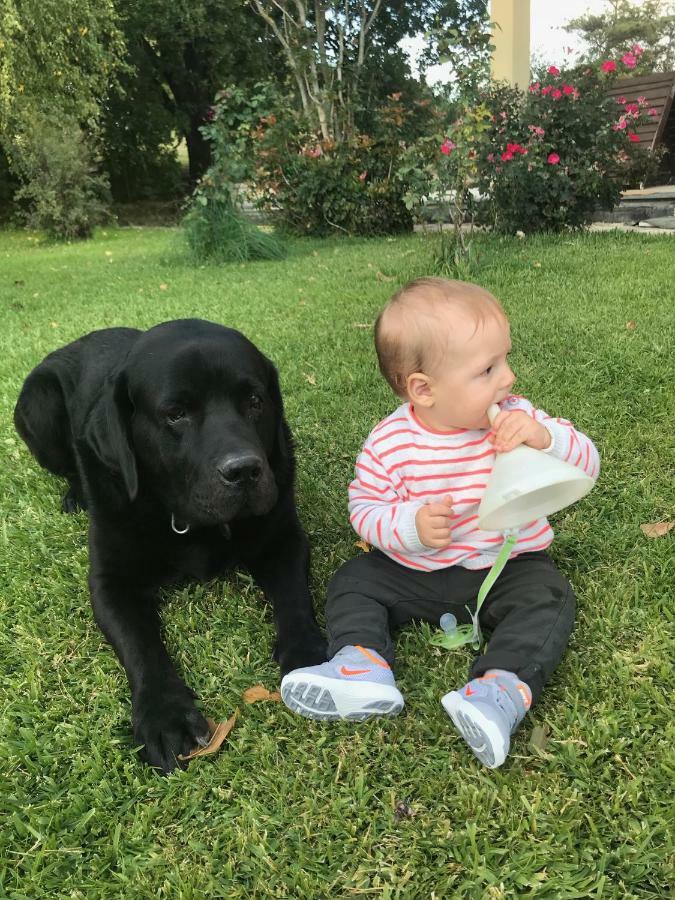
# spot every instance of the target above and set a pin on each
(382, 277)
(362, 544)
(310, 378)
(656, 529)
(163, 286)
(403, 811)
(362, 325)
(258, 692)
(631, 326)
(218, 734)
(537, 265)
(539, 737)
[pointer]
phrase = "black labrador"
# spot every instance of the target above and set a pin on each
(175, 441)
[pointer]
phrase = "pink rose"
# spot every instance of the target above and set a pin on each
(567, 89)
(553, 159)
(653, 112)
(533, 88)
(621, 100)
(634, 138)
(632, 108)
(557, 94)
(447, 147)
(637, 50)
(546, 90)
(608, 66)
(629, 60)
(642, 101)
(507, 155)
(490, 157)
(552, 70)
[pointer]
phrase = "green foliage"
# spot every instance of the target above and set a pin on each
(56, 56)
(181, 54)
(321, 187)
(614, 31)
(63, 192)
(217, 232)
(441, 169)
(310, 185)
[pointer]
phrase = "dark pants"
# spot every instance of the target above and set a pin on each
(529, 610)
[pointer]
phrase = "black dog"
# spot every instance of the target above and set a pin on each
(175, 442)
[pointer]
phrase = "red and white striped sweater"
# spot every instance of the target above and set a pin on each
(404, 464)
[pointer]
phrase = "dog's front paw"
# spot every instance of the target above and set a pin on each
(307, 649)
(168, 724)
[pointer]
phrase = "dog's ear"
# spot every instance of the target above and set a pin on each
(281, 458)
(108, 431)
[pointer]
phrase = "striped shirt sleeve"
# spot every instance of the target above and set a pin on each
(567, 443)
(378, 510)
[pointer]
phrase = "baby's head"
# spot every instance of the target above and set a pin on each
(442, 345)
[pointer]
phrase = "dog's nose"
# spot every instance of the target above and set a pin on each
(240, 468)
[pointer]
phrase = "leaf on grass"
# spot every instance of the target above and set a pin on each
(656, 529)
(310, 378)
(362, 324)
(537, 265)
(218, 734)
(362, 544)
(403, 811)
(163, 286)
(258, 692)
(631, 326)
(382, 277)
(539, 737)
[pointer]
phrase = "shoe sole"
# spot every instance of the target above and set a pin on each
(481, 734)
(319, 697)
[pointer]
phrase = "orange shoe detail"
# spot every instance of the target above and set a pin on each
(345, 671)
(525, 693)
(374, 659)
(486, 677)
(468, 692)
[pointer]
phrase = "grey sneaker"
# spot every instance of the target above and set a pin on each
(487, 711)
(355, 684)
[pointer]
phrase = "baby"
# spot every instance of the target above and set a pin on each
(443, 347)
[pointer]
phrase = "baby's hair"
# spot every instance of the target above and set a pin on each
(412, 333)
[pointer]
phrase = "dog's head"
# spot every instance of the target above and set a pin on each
(194, 415)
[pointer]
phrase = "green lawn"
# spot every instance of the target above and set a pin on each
(292, 808)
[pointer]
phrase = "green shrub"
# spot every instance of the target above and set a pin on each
(326, 189)
(311, 184)
(63, 193)
(216, 231)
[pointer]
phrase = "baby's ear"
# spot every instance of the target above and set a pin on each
(418, 386)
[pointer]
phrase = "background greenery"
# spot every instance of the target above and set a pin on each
(292, 808)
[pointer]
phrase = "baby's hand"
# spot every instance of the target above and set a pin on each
(433, 523)
(510, 429)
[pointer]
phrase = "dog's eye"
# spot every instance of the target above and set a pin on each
(255, 402)
(175, 415)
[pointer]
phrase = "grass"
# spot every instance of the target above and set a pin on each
(292, 808)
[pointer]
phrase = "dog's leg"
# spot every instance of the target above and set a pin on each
(281, 570)
(165, 719)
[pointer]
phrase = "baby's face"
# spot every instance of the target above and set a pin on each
(475, 375)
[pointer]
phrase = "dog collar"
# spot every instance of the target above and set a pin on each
(175, 527)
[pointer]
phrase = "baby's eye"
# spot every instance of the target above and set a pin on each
(488, 370)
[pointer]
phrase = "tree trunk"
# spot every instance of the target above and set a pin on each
(199, 150)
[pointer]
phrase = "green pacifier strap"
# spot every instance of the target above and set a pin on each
(465, 634)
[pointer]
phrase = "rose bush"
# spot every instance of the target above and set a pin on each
(560, 152)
